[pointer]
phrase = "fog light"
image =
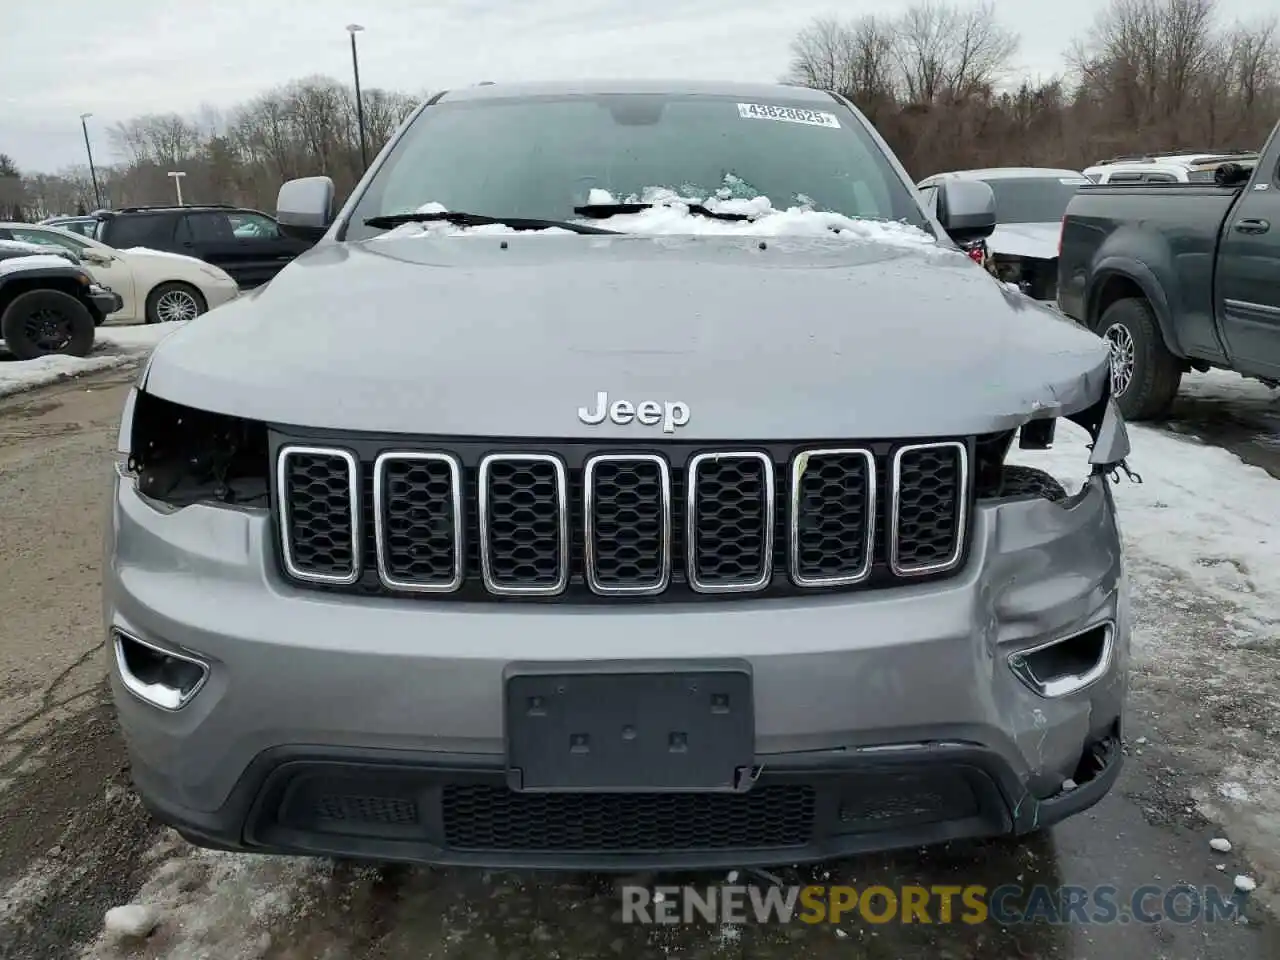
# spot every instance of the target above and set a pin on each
(160, 677)
(1066, 665)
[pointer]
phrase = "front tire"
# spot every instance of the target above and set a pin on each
(1144, 374)
(41, 323)
(174, 301)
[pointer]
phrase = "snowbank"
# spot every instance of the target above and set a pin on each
(113, 347)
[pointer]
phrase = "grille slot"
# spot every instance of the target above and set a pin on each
(833, 511)
(483, 817)
(418, 525)
(729, 537)
(627, 524)
(930, 501)
(319, 498)
(524, 524)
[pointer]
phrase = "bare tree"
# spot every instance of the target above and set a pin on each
(948, 53)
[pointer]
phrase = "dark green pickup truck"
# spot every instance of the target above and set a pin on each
(1178, 277)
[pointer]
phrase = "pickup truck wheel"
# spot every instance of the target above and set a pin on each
(43, 322)
(174, 301)
(1144, 374)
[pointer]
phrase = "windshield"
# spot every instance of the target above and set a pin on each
(539, 157)
(1033, 199)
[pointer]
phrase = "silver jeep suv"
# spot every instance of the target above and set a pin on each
(529, 520)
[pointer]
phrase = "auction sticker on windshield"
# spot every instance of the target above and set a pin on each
(763, 111)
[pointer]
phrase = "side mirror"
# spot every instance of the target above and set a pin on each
(96, 256)
(304, 207)
(1231, 174)
(966, 209)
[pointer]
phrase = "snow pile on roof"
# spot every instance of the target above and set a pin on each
(113, 347)
(33, 262)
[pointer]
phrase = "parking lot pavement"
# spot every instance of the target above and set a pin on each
(74, 841)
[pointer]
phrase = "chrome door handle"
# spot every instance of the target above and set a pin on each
(1252, 225)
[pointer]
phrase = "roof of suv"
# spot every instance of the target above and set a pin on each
(1008, 173)
(166, 207)
(753, 91)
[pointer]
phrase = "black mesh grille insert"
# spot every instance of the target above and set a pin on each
(730, 503)
(390, 810)
(418, 520)
(522, 543)
(319, 530)
(481, 817)
(929, 506)
(630, 523)
(832, 506)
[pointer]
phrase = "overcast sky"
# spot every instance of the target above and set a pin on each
(62, 58)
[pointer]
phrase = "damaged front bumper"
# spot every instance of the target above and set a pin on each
(883, 718)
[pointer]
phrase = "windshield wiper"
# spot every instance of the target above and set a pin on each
(461, 219)
(600, 211)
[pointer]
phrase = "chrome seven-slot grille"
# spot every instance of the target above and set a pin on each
(474, 521)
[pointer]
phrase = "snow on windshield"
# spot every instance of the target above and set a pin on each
(668, 214)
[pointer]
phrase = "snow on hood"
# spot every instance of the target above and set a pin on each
(33, 262)
(669, 215)
(1036, 240)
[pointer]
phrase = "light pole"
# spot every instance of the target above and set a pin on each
(353, 29)
(177, 182)
(93, 171)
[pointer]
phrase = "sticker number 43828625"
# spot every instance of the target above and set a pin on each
(763, 111)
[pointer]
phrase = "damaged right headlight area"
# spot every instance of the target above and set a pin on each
(178, 456)
(996, 479)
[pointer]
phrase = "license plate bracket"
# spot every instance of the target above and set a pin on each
(634, 728)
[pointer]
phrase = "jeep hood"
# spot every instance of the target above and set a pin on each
(508, 336)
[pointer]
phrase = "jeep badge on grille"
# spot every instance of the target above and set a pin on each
(671, 414)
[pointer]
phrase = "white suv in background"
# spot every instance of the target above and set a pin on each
(1184, 167)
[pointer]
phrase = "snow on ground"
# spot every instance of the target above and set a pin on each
(113, 347)
(1199, 510)
(1228, 387)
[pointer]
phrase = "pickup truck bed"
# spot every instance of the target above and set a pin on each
(1177, 277)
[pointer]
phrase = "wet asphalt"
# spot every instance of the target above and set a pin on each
(67, 809)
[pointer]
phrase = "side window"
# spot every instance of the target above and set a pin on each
(253, 226)
(1126, 178)
(139, 230)
(1161, 178)
(210, 227)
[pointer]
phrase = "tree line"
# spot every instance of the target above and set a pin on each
(1145, 76)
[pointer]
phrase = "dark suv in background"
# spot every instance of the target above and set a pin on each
(247, 244)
